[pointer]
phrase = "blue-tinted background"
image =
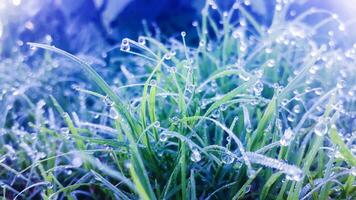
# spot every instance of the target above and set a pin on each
(87, 25)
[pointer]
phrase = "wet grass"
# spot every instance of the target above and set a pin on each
(248, 113)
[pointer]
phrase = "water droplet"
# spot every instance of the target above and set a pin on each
(340, 84)
(313, 69)
(163, 137)
(183, 33)
(107, 101)
(291, 117)
(29, 25)
(258, 88)
(153, 82)
(227, 159)
(321, 128)
(77, 161)
(287, 137)
(318, 91)
(228, 139)
(168, 56)
(296, 109)
(49, 185)
(222, 107)
(271, 63)
(251, 172)
(268, 50)
(341, 27)
(64, 130)
(247, 189)
(215, 113)
(243, 77)
(175, 120)
(157, 124)
(113, 114)
(125, 45)
(141, 40)
(195, 156)
(202, 43)
(284, 102)
(294, 175)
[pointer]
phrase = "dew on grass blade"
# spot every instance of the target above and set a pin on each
(258, 88)
(294, 175)
(156, 124)
(153, 82)
(175, 120)
(227, 159)
(64, 130)
(195, 155)
(77, 161)
(251, 173)
(141, 40)
(321, 128)
(107, 101)
(296, 109)
(287, 137)
(163, 137)
(271, 63)
(113, 114)
(125, 45)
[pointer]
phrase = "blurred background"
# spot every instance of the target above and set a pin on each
(87, 26)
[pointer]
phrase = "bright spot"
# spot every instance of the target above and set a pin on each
(16, 2)
(29, 25)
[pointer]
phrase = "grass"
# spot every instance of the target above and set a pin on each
(247, 113)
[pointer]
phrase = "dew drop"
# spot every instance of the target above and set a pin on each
(321, 128)
(107, 101)
(296, 109)
(113, 114)
(247, 189)
(258, 88)
(156, 124)
(227, 159)
(163, 137)
(340, 84)
(222, 107)
(168, 56)
(215, 113)
(125, 45)
(243, 77)
(318, 91)
(175, 120)
(183, 33)
(153, 82)
(251, 173)
(284, 102)
(195, 156)
(271, 63)
(64, 130)
(287, 137)
(291, 117)
(295, 175)
(268, 50)
(77, 161)
(141, 40)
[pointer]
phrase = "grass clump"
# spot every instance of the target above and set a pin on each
(247, 113)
